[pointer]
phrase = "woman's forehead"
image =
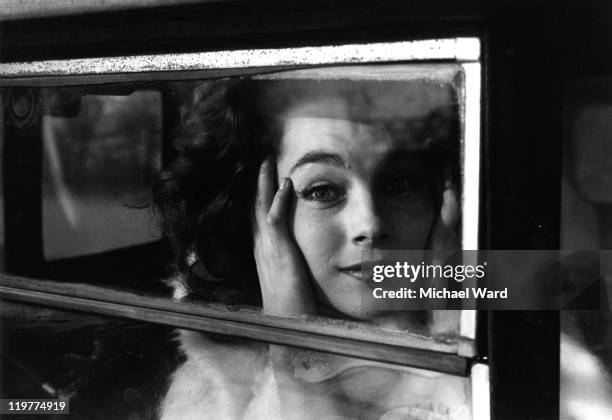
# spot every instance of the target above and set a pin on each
(350, 141)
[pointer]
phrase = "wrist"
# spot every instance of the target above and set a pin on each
(288, 300)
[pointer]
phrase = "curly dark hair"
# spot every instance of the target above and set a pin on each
(204, 198)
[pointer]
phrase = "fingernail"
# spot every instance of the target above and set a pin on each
(285, 183)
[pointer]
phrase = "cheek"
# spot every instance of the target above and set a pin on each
(318, 236)
(410, 222)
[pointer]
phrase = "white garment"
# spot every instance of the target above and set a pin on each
(235, 381)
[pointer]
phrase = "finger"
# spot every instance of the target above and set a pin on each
(265, 190)
(443, 235)
(449, 213)
(280, 206)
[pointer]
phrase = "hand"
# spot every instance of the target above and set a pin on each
(283, 275)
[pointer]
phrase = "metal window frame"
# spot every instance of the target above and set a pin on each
(209, 64)
(423, 352)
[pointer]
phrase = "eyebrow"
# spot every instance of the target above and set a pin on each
(325, 158)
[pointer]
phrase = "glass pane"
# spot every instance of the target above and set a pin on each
(101, 154)
(586, 345)
(374, 157)
(109, 368)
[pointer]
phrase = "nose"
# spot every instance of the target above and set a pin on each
(367, 227)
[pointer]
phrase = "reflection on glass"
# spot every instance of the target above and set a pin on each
(282, 181)
(586, 223)
(101, 154)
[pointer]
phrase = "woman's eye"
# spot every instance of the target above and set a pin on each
(400, 186)
(323, 193)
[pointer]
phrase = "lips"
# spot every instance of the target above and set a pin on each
(355, 270)
(357, 274)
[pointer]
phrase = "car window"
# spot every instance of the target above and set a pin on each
(398, 130)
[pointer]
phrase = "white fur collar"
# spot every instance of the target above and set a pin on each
(217, 379)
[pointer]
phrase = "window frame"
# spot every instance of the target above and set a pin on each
(456, 359)
(464, 51)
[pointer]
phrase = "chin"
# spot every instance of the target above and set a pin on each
(359, 311)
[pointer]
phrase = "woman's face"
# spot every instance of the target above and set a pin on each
(358, 188)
